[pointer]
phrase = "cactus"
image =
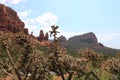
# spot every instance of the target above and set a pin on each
(21, 59)
(112, 65)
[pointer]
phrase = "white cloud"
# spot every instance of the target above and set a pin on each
(37, 23)
(33, 28)
(69, 34)
(11, 1)
(41, 22)
(110, 40)
(108, 37)
(2, 1)
(47, 19)
(24, 14)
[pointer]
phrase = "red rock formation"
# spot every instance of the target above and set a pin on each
(9, 20)
(26, 31)
(41, 36)
(46, 37)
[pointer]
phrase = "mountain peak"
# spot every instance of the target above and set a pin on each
(89, 38)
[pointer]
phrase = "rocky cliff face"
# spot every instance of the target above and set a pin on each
(43, 37)
(89, 38)
(62, 40)
(9, 20)
(11, 23)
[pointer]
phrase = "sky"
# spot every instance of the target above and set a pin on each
(74, 17)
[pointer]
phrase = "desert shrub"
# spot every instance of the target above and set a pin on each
(20, 60)
(91, 62)
(112, 65)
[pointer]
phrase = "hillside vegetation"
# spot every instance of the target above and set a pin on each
(88, 40)
(22, 58)
(26, 57)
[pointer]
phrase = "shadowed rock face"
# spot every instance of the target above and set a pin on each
(81, 41)
(85, 38)
(62, 40)
(9, 20)
(88, 38)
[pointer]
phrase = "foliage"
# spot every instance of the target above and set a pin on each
(20, 61)
(112, 65)
(61, 62)
(23, 60)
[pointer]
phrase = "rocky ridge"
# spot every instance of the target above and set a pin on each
(88, 38)
(9, 20)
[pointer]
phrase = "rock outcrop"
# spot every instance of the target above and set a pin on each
(11, 23)
(43, 37)
(88, 38)
(9, 20)
(62, 40)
